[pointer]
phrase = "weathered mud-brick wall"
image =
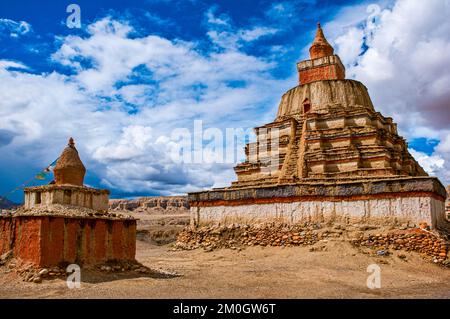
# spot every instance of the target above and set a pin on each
(96, 199)
(48, 241)
(416, 199)
(447, 204)
(326, 68)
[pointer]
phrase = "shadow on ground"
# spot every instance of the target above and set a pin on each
(95, 276)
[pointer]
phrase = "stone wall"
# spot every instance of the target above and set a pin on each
(49, 241)
(323, 96)
(66, 195)
(324, 68)
(329, 72)
(417, 199)
(447, 204)
(378, 211)
(379, 240)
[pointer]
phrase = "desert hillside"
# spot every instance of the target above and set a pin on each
(160, 204)
(6, 203)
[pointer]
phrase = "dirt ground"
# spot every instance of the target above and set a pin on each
(338, 270)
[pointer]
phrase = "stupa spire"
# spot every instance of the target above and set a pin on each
(323, 64)
(320, 47)
(69, 169)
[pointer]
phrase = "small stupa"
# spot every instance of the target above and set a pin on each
(66, 222)
(328, 155)
(68, 189)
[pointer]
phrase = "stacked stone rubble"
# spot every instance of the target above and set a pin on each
(418, 241)
(237, 236)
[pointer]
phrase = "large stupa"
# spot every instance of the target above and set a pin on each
(327, 155)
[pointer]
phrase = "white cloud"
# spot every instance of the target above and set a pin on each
(8, 64)
(134, 141)
(350, 44)
(256, 33)
(14, 28)
(443, 150)
(431, 164)
(224, 35)
(284, 11)
(224, 20)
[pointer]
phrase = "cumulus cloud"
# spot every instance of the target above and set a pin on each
(7, 65)
(443, 149)
(399, 52)
(430, 163)
(349, 45)
(256, 33)
(121, 101)
(222, 20)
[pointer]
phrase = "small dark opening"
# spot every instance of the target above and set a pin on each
(306, 108)
(38, 198)
(67, 196)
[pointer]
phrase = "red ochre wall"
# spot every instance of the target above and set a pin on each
(49, 241)
(328, 72)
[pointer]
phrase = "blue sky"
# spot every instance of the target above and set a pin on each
(137, 70)
(186, 20)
